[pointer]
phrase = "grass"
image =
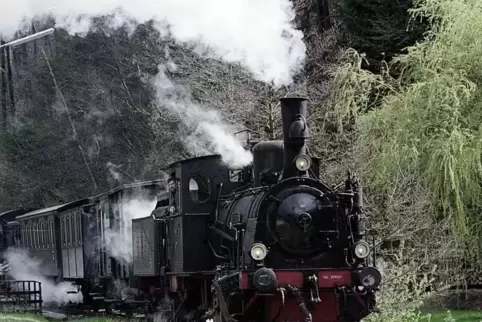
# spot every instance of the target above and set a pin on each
(456, 316)
(440, 316)
(100, 320)
(19, 317)
(10, 317)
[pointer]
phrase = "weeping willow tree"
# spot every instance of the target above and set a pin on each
(429, 121)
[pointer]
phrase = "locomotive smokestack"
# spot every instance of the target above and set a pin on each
(294, 112)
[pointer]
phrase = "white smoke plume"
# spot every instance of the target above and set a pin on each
(3, 268)
(111, 167)
(257, 34)
(118, 242)
(211, 134)
(23, 267)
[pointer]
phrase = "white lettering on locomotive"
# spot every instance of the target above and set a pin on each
(332, 277)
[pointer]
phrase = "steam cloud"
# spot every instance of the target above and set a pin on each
(24, 267)
(257, 34)
(211, 134)
(119, 242)
(113, 173)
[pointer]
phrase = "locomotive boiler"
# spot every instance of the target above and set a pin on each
(290, 247)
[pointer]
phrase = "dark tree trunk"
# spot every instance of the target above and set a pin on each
(11, 85)
(3, 80)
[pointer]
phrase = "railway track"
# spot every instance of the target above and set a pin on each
(69, 313)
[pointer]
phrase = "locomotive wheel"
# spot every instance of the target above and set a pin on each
(216, 318)
(216, 313)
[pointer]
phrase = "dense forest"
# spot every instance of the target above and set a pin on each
(394, 94)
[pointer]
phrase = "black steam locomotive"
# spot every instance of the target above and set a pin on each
(268, 242)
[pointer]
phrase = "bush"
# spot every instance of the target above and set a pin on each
(419, 148)
(431, 125)
(427, 124)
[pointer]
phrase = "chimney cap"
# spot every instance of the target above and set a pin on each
(287, 98)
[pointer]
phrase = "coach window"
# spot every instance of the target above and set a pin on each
(107, 223)
(18, 237)
(65, 231)
(38, 240)
(33, 227)
(37, 235)
(74, 229)
(199, 188)
(51, 233)
(62, 231)
(24, 235)
(77, 228)
(41, 234)
(30, 235)
(236, 175)
(34, 234)
(44, 233)
(27, 234)
(38, 231)
(69, 230)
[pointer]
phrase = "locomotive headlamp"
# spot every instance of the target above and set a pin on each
(362, 249)
(302, 162)
(258, 251)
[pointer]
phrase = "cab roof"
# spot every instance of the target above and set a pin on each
(56, 208)
(132, 185)
(204, 157)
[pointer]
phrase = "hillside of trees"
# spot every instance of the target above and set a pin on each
(394, 94)
(82, 117)
(85, 119)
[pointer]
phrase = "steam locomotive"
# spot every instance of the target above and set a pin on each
(268, 242)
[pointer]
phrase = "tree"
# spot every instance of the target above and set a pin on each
(379, 28)
(426, 127)
(91, 98)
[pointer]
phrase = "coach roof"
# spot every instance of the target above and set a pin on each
(85, 201)
(53, 209)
